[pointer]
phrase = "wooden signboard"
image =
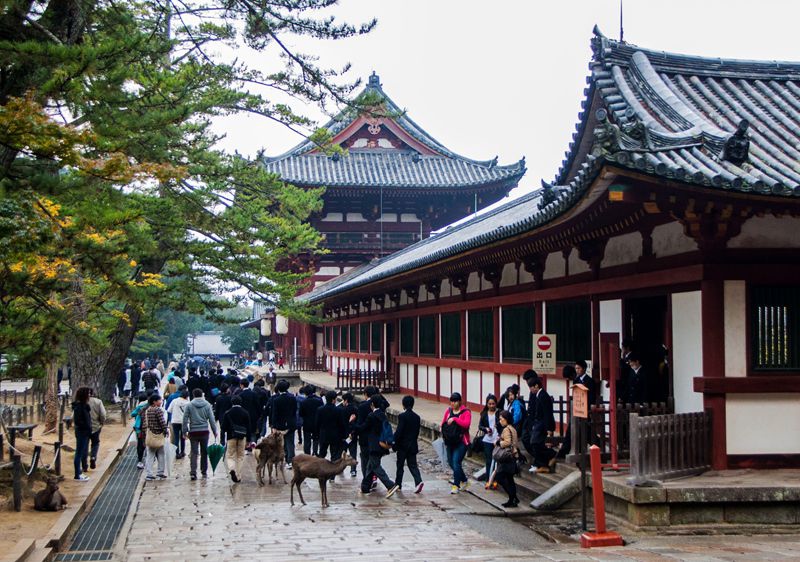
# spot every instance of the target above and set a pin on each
(580, 401)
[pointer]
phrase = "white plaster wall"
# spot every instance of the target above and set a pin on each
(347, 268)
(473, 282)
(669, 240)
(456, 384)
(388, 217)
(621, 250)
(509, 276)
(446, 288)
(423, 293)
(610, 322)
(473, 386)
(556, 386)
(687, 353)
(554, 266)
(404, 375)
(762, 423)
(408, 217)
(333, 217)
(445, 381)
(422, 378)
(735, 329)
(768, 232)
(403, 298)
(328, 270)
(355, 217)
(487, 385)
(506, 381)
(524, 276)
(576, 264)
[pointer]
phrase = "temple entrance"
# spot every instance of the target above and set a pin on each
(646, 326)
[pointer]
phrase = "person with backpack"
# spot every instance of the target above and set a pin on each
(138, 414)
(455, 433)
(380, 438)
(406, 443)
(236, 426)
(150, 379)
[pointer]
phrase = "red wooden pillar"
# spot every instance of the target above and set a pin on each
(595, 304)
(713, 316)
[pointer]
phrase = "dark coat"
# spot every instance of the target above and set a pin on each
(82, 417)
(346, 412)
(587, 381)
(371, 429)
(198, 382)
(283, 412)
(136, 375)
(221, 405)
(637, 386)
(236, 415)
(330, 425)
(308, 411)
(263, 399)
(250, 403)
(362, 411)
(543, 420)
(406, 435)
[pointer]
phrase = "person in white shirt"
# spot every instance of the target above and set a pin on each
(175, 411)
(489, 425)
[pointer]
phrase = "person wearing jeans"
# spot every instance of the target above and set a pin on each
(175, 410)
(490, 427)
(197, 418)
(82, 418)
(462, 417)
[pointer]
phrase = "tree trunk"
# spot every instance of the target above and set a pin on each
(51, 405)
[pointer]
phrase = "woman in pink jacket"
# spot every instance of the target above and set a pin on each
(455, 433)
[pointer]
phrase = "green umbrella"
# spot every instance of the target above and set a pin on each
(215, 453)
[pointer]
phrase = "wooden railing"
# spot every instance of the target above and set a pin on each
(300, 363)
(601, 423)
(357, 380)
(669, 446)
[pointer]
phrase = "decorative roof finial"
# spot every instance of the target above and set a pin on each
(737, 147)
(374, 80)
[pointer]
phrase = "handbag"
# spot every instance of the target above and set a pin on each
(502, 454)
(154, 440)
(477, 443)
(239, 432)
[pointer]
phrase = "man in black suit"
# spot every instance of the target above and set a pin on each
(330, 427)
(584, 378)
(250, 404)
(308, 412)
(283, 417)
(348, 408)
(362, 411)
(543, 425)
(406, 438)
(637, 382)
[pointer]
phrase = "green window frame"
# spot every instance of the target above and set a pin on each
(353, 337)
(427, 335)
(451, 334)
(518, 326)
(480, 334)
(775, 328)
(377, 336)
(571, 322)
(363, 338)
(407, 336)
(336, 343)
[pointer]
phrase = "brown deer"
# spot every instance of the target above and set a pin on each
(306, 466)
(50, 499)
(270, 454)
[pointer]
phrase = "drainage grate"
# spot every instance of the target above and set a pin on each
(97, 533)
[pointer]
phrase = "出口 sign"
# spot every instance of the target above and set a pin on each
(544, 354)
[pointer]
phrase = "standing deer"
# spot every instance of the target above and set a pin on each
(270, 454)
(306, 466)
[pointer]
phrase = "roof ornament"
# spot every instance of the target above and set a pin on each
(493, 162)
(611, 139)
(548, 195)
(415, 158)
(335, 156)
(607, 135)
(374, 80)
(737, 147)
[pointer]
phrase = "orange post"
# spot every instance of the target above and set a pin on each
(600, 537)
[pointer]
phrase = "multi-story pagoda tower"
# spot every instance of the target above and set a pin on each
(394, 185)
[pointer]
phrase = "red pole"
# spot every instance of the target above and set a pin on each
(600, 537)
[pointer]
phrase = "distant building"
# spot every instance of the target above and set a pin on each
(208, 343)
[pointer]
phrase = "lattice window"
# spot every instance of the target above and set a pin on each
(407, 336)
(480, 334)
(336, 341)
(451, 335)
(775, 333)
(518, 325)
(377, 336)
(427, 335)
(363, 338)
(353, 337)
(571, 322)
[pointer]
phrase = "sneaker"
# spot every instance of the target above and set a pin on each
(162, 476)
(454, 489)
(464, 485)
(82, 478)
(532, 469)
(92, 464)
(288, 465)
(193, 477)
(419, 487)
(150, 478)
(140, 465)
(353, 473)
(392, 490)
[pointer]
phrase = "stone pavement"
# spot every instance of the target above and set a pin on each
(211, 519)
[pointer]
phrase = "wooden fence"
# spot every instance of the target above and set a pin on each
(300, 363)
(357, 380)
(669, 446)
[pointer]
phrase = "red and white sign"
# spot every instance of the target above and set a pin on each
(544, 354)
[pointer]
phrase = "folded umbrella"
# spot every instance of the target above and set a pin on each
(215, 454)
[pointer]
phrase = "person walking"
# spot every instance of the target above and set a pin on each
(236, 426)
(543, 425)
(330, 427)
(346, 410)
(98, 412)
(283, 417)
(82, 419)
(175, 410)
(197, 418)
(373, 427)
(156, 432)
(222, 403)
(250, 402)
(138, 421)
(308, 412)
(362, 411)
(455, 433)
(488, 423)
(507, 465)
(406, 443)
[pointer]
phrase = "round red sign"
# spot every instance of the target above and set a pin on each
(544, 343)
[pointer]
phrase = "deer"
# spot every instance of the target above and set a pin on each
(306, 466)
(50, 499)
(270, 455)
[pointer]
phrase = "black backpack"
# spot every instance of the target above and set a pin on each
(452, 433)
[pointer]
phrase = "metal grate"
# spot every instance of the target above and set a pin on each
(97, 533)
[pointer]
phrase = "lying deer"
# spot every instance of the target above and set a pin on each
(306, 466)
(270, 454)
(50, 499)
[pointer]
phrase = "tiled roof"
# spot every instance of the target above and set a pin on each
(673, 115)
(657, 113)
(389, 168)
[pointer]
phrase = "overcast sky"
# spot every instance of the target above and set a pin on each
(506, 78)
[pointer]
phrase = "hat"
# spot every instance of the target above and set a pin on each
(455, 397)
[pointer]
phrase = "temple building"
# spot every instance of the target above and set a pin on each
(673, 221)
(394, 185)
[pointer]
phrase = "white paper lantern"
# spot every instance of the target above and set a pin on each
(281, 325)
(266, 327)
